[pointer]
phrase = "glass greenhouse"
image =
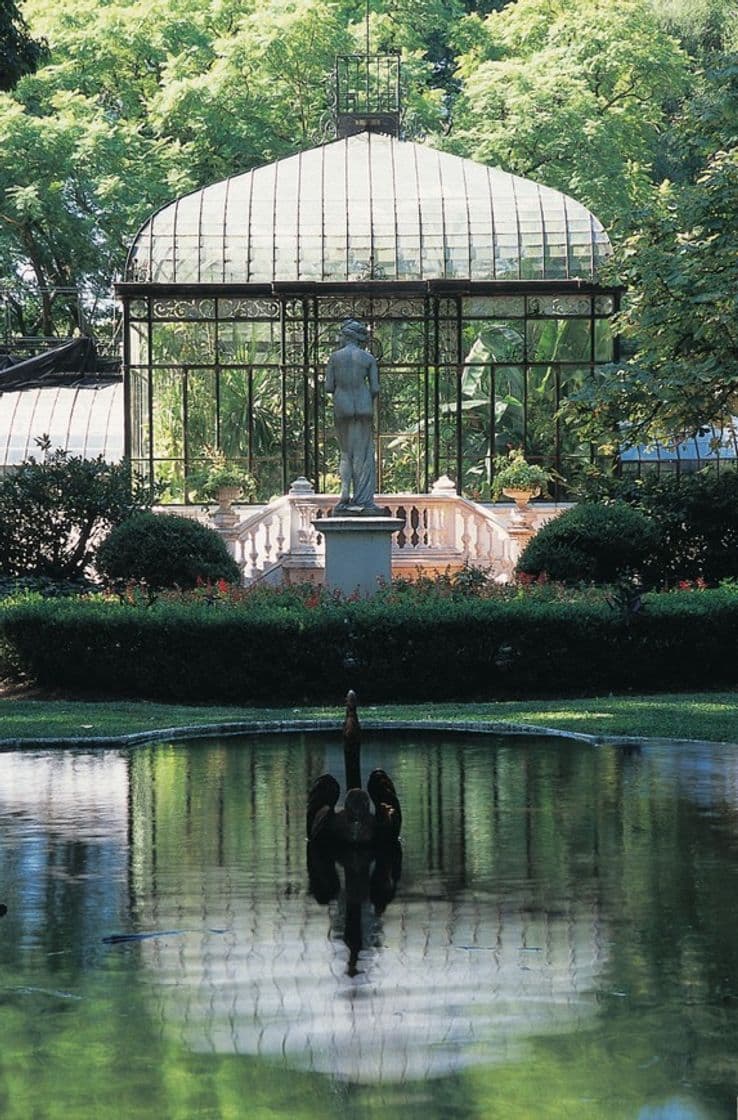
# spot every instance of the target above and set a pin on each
(480, 290)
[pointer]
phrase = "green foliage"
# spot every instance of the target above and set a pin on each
(591, 543)
(514, 473)
(53, 513)
(681, 272)
(162, 550)
(219, 473)
(281, 650)
(573, 95)
(19, 53)
(696, 518)
(703, 27)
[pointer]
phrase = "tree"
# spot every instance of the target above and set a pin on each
(681, 271)
(54, 513)
(572, 95)
(19, 53)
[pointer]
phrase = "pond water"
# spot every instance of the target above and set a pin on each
(558, 938)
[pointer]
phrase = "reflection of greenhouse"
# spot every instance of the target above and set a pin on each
(458, 970)
(480, 289)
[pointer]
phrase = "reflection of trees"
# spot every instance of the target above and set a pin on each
(524, 845)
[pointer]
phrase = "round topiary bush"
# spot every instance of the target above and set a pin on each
(591, 543)
(165, 551)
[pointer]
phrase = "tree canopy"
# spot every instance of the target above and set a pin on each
(630, 108)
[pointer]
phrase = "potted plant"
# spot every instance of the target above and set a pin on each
(226, 482)
(519, 480)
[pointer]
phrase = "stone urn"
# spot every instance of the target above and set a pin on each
(520, 516)
(225, 496)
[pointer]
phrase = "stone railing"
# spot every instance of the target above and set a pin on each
(280, 543)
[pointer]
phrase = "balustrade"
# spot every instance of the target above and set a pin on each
(279, 542)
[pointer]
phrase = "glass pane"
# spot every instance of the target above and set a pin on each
(168, 413)
(396, 342)
(494, 307)
(249, 342)
(558, 340)
(201, 424)
(572, 380)
(169, 474)
(139, 341)
(604, 305)
(234, 412)
(540, 433)
(138, 309)
(266, 416)
(603, 341)
(487, 341)
(446, 378)
(401, 463)
(248, 309)
(182, 343)
(294, 402)
(478, 422)
(183, 308)
(559, 306)
(139, 405)
(401, 401)
(509, 400)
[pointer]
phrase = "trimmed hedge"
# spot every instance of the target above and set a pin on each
(402, 650)
(164, 550)
(591, 543)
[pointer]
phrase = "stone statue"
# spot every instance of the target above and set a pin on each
(352, 378)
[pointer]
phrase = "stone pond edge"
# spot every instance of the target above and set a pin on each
(264, 727)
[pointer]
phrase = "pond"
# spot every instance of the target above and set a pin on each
(558, 938)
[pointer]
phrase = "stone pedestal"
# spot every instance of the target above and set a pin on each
(358, 552)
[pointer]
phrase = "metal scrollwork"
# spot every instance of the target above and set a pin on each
(248, 309)
(559, 306)
(397, 309)
(344, 309)
(604, 305)
(183, 309)
(138, 309)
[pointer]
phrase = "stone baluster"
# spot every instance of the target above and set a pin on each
(281, 537)
(266, 558)
(253, 552)
(465, 534)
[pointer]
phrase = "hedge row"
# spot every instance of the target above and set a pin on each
(388, 651)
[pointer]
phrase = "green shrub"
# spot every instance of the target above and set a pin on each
(278, 650)
(55, 511)
(591, 543)
(12, 586)
(696, 516)
(163, 550)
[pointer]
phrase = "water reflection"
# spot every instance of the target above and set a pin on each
(562, 932)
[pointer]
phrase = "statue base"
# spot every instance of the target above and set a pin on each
(348, 510)
(358, 552)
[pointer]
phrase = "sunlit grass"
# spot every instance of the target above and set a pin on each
(712, 716)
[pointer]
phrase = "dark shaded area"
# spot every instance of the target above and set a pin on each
(75, 363)
(20, 54)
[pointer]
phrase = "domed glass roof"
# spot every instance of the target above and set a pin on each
(369, 207)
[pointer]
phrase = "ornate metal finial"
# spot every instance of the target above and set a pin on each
(367, 93)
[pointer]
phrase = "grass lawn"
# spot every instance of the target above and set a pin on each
(712, 716)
